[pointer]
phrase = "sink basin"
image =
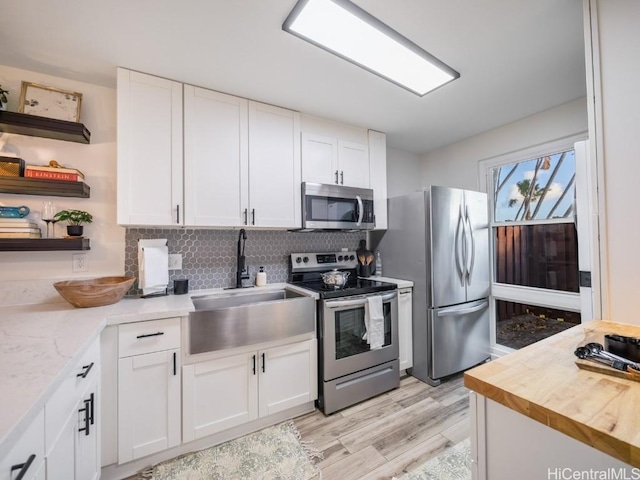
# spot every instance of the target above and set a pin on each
(242, 318)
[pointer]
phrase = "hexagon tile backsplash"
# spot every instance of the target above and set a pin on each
(209, 256)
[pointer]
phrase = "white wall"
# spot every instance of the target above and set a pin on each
(456, 165)
(97, 161)
(619, 47)
(403, 172)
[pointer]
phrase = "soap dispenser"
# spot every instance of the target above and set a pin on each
(261, 278)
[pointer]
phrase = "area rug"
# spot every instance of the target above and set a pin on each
(274, 453)
(452, 464)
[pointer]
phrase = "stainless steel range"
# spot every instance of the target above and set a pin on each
(357, 330)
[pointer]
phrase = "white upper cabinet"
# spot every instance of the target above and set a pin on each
(335, 154)
(216, 158)
(319, 158)
(149, 150)
(274, 167)
(378, 176)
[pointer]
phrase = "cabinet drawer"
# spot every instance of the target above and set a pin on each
(148, 337)
(65, 399)
(30, 443)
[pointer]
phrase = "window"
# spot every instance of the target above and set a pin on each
(535, 246)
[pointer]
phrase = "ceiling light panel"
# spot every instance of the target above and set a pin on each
(347, 31)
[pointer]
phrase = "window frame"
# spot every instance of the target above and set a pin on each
(569, 301)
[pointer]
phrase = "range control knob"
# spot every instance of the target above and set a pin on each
(352, 258)
(298, 259)
(305, 259)
(340, 258)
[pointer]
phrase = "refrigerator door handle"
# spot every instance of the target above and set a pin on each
(472, 248)
(458, 251)
(462, 311)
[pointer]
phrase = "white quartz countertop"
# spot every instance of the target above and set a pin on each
(40, 344)
(397, 281)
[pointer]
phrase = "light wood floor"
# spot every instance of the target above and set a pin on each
(389, 434)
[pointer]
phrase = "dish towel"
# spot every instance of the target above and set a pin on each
(374, 320)
(153, 266)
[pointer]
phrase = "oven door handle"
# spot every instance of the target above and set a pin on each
(358, 301)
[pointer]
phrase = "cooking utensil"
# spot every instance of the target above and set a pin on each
(370, 258)
(597, 348)
(585, 353)
(362, 259)
(335, 278)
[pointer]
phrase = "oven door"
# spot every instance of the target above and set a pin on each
(345, 350)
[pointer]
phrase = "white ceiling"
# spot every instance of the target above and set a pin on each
(515, 57)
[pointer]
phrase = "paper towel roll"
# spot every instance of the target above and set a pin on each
(153, 265)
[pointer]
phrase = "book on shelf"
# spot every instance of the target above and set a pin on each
(33, 229)
(18, 228)
(17, 222)
(20, 235)
(53, 173)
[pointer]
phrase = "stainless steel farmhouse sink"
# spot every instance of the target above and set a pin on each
(241, 318)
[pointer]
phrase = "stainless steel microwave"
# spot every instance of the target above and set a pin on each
(336, 207)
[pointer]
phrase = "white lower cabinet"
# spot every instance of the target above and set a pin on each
(26, 456)
(149, 378)
(148, 404)
(226, 392)
(405, 327)
(72, 427)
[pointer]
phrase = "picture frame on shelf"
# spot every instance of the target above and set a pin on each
(50, 102)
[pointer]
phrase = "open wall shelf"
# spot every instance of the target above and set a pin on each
(24, 124)
(36, 186)
(43, 244)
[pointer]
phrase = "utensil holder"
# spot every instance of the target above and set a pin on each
(365, 270)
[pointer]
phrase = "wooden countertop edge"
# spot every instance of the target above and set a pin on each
(579, 431)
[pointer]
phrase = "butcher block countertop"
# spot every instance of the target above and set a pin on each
(543, 382)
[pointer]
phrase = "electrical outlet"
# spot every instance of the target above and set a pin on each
(175, 261)
(79, 262)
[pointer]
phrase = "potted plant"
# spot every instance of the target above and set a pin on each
(3, 98)
(75, 220)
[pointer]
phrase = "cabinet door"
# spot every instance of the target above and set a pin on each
(27, 451)
(148, 404)
(274, 167)
(353, 160)
(288, 377)
(378, 176)
(61, 456)
(215, 158)
(149, 150)
(87, 448)
(405, 327)
(219, 394)
(319, 159)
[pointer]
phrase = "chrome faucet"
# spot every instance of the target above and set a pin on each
(241, 271)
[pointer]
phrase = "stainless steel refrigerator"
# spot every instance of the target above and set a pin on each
(439, 239)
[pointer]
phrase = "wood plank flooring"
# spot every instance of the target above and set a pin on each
(389, 434)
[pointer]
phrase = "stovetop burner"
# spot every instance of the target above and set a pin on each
(307, 273)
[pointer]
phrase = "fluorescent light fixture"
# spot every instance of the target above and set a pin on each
(347, 31)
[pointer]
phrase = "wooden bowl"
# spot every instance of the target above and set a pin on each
(95, 292)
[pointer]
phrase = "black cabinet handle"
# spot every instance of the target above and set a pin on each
(85, 429)
(263, 363)
(341, 178)
(91, 407)
(254, 364)
(336, 177)
(175, 368)
(86, 369)
(253, 216)
(157, 334)
(246, 212)
(23, 467)
(177, 213)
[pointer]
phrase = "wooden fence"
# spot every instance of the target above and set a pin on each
(543, 256)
